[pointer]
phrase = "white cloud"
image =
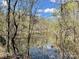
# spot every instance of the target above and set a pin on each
(40, 10)
(52, 0)
(4, 3)
(57, 1)
(48, 10)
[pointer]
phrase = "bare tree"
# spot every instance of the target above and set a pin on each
(15, 49)
(31, 18)
(8, 19)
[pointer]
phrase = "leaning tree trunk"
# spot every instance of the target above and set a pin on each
(15, 49)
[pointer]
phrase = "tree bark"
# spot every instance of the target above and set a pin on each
(8, 18)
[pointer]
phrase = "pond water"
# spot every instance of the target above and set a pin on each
(44, 53)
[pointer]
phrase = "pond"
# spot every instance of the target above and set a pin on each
(44, 53)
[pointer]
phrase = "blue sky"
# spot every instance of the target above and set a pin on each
(46, 7)
(48, 4)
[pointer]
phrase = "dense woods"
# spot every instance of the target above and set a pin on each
(21, 28)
